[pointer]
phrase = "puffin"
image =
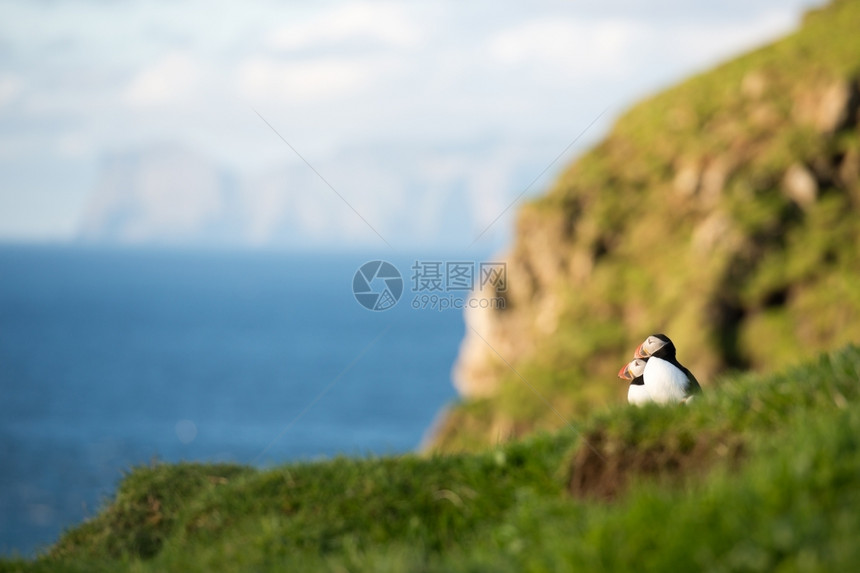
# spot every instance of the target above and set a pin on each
(637, 394)
(667, 381)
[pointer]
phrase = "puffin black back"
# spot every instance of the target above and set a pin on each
(668, 352)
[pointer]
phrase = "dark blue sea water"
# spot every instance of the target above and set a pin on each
(110, 358)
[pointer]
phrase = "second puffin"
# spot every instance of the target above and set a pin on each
(665, 379)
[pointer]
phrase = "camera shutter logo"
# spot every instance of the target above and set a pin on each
(377, 285)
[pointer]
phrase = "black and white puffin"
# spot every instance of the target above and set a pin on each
(632, 371)
(665, 379)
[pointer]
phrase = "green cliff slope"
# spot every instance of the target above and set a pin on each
(724, 212)
(760, 476)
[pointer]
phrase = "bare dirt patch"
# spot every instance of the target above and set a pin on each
(605, 469)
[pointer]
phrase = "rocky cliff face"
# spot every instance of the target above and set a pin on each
(724, 212)
(168, 194)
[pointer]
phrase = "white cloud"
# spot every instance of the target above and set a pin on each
(384, 24)
(578, 46)
(10, 87)
(171, 80)
(622, 55)
(75, 145)
(704, 44)
(308, 80)
(82, 79)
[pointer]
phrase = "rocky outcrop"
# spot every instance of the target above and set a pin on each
(724, 212)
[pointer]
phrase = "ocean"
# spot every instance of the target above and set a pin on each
(113, 358)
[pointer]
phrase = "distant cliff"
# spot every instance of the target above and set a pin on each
(168, 194)
(724, 212)
(161, 195)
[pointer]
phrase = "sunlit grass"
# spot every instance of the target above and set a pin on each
(788, 496)
(738, 273)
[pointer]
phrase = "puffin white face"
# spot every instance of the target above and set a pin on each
(632, 369)
(651, 345)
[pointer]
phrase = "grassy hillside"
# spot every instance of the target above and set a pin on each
(763, 474)
(724, 212)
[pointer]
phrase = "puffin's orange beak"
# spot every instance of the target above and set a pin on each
(624, 373)
(639, 352)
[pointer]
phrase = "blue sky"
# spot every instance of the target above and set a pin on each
(378, 95)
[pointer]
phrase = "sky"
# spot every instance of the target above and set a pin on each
(404, 110)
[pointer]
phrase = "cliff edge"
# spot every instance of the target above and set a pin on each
(724, 212)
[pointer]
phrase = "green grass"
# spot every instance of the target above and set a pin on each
(761, 474)
(738, 273)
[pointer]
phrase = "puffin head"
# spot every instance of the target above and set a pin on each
(632, 369)
(657, 345)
